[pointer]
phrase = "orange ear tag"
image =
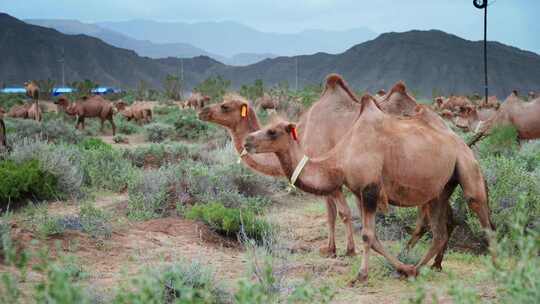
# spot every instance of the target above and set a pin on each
(243, 111)
(294, 134)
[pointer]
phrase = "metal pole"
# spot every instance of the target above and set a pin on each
(483, 4)
(296, 73)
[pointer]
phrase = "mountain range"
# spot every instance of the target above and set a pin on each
(428, 61)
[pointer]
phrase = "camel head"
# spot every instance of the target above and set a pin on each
(230, 113)
(381, 93)
(532, 95)
(275, 138)
(121, 105)
(466, 118)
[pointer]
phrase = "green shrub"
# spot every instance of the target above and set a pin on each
(215, 87)
(231, 222)
(120, 139)
(25, 180)
(105, 168)
(54, 130)
(94, 144)
(501, 141)
(158, 132)
(149, 194)
(159, 154)
(166, 110)
(62, 161)
(95, 222)
(123, 126)
(178, 283)
(187, 125)
(43, 223)
(9, 100)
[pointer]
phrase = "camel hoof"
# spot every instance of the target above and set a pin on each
(360, 278)
(327, 252)
(437, 267)
(408, 270)
(350, 252)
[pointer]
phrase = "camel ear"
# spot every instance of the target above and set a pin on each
(291, 129)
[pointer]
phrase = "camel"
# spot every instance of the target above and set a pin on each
(452, 103)
(197, 101)
(267, 103)
(398, 101)
(471, 118)
(378, 161)
(524, 116)
(337, 103)
(89, 107)
(380, 95)
(19, 111)
(492, 102)
(532, 95)
(140, 112)
(32, 91)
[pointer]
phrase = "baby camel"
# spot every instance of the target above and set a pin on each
(378, 161)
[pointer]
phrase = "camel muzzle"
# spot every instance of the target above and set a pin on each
(204, 114)
(249, 145)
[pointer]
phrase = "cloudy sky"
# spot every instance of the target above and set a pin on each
(512, 22)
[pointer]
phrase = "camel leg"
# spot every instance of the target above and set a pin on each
(346, 216)
(438, 216)
(331, 212)
(111, 119)
(421, 228)
(450, 228)
(101, 122)
(371, 195)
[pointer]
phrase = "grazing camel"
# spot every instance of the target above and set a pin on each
(337, 103)
(89, 107)
(139, 112)
(524, 116)
(197, 101)
(32, 91)
(267, 103)
(471, 118)
(19, 111)
(378, 161)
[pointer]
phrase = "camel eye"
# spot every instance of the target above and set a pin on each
(225, 108)
(272, 133)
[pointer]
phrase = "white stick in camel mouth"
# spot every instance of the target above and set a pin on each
(297, 171)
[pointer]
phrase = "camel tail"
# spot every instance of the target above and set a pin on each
(333, 80)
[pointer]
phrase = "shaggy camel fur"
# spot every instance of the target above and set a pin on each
(266, 102)
(32, 91)
(471, 118)
(378, 161)
(139, 112)
(335, 101)
(19, 111)
(524, 116)
(89, 107)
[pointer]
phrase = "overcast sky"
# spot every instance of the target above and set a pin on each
(514, 22)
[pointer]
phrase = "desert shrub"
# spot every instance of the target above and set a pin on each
(105, 168)
(149, 193)
(9, 100)
(25, 180)
(230, 221)
(530, 153)
(123, 126)
(188, 126)
(159, 154)
(95, 221)
(501, 141)
(43, 223)
(62, 161)
(177, 283)
(166, 110)
(157, 132)
(55, 130)
(120, 139)
(94, 144)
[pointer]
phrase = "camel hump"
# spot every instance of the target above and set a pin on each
(334, 80)
(399, 87)
(367, 101)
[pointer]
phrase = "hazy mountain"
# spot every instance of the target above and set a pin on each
(228, 38)
(425, 60)
(141, 47)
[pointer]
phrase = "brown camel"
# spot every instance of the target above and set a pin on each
(524, 116)
(139, 112)
(197, 100)
(471, 118)
(378, 161)
(266, 102)
(492, 103)
(398, 101)
(454, 103)
(333, 105)
(89, 107)
(32, 91)
(532, 95)
(19, 111)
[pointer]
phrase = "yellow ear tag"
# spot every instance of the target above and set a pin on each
(243, 111)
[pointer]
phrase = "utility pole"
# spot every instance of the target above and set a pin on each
(483, 4)
(182, 69)
(62, 61)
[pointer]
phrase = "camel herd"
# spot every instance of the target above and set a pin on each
(386, 149)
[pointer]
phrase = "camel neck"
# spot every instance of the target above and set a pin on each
(319, 177)
(265, 163)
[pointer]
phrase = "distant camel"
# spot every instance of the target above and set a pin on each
(89, 107)
(139, 112)
(32, 91)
